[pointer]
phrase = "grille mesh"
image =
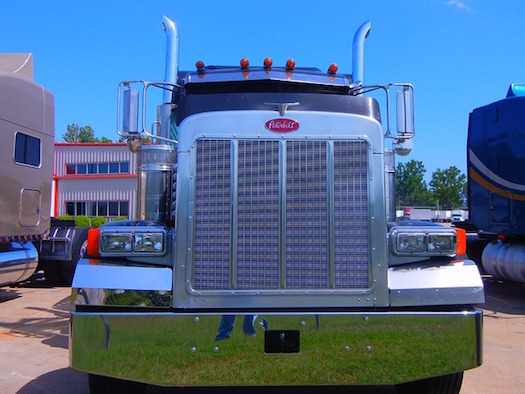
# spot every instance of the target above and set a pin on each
(306, 215)
(258, 215)
(212, 215)
(294, 229)
(351, 215)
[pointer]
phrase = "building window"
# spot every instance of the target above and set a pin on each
(81, 168)
(124, 208)
(98, 208)
(27, 150)
(81, 208)
(76, 208)
(114, 168)
(102, 168)
(102, 208)
(121, 167)
(70, 209)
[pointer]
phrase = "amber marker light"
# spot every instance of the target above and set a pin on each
(199, 65)
(290, 64)
(268, 62)
(332, 69)
(245, 63)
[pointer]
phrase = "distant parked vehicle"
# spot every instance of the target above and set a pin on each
(457, 218)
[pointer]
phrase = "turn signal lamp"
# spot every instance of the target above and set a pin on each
(92, 242)
(462, 241)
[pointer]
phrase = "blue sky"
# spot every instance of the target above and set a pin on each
(458, 54)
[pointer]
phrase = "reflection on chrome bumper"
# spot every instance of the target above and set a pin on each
(182, 349)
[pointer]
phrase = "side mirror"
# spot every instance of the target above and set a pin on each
(405, 113)
(130, 116)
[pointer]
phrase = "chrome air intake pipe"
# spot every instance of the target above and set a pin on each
(358, 53)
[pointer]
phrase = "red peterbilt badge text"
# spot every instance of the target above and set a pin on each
(282, 125)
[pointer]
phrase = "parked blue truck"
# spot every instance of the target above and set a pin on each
(496, 182)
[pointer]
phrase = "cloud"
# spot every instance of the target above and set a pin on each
(459, 5)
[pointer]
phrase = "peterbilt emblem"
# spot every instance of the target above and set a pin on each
(282, 125)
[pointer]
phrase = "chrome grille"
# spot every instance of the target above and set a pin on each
(281, 215)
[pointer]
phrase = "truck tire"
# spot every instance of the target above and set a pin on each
(60, 273)
(106, 385)
(447, 384)
(53, 273)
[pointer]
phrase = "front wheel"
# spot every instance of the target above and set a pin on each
(447, 384)
(106, 385)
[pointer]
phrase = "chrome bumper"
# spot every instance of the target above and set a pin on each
(182, 349)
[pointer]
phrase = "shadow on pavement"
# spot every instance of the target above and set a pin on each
(37, 281)
(8, 294)
(62, 381)
(503, 297)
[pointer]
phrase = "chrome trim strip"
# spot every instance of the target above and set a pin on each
(444, 284)
(107, 275)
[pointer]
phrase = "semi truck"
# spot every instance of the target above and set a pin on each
(496, 183)
(29, 238)
(266, 203)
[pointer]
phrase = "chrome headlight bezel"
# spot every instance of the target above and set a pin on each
(132, 241)
(424, 242)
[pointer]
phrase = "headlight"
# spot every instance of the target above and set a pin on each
(115, 242)
(444, 243)
(150, 242)
(410, 243)
(407, 241)
(132, 241)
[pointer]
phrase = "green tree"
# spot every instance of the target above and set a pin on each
(86, 134)
(411, 188)
(75, 133)
(449, 187)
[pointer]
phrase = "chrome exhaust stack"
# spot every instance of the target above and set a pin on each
(157, 161)
(170, 77)
(172, 55)
(358, 54)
